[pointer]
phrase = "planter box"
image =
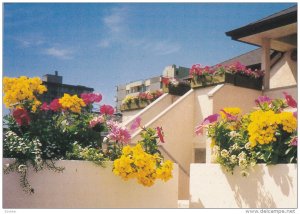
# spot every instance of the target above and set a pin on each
(134, 106)
(244, 81)
(272, 186)
(85, 185)
(204, 81)
(179, 90)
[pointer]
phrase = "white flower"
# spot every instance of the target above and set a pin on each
(233, 134)
(243, 163)
(242, 155)
(247, 146)
(233, 158)
(224, 153)
(235, 146)
(22, 168)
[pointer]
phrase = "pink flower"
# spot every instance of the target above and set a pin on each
(89, 98)
(263, 99)
(96, 120)
(160, 134)
(107, 109)
(210, 119)
(229, 116)
(118, 133)
(21, 116)
(294, 141)
(136, 123)
(295, 114)
(55, 105)
(45, 107)
(290, 100)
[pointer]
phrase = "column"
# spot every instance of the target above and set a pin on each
(265, 61)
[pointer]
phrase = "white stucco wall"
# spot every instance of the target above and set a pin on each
(86, 185)
(284, 72)
(177, 123)
(148, 113)
(278, 92)
(273, 186)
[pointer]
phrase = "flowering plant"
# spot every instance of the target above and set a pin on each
(206, 75)
(175, 86)
(36, 134)
(266, 135)
(144, 161)
(238, 68)
(140, 99)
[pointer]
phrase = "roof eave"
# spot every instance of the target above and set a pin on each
(262, 26)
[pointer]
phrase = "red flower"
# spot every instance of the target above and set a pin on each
(55, 105)
(165, 80)
(107, 109)
(210, 119)
(89, 98)
(45, 107)
(160, 134)
(290, 100)
(21, 116)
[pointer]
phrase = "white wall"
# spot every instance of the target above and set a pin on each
(149, 112)
(177, 123)
(284, 72)
(86, 185)
(273, 186)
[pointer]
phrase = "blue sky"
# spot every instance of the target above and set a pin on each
(101, 45)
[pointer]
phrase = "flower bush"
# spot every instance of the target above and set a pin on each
(144, 161)
(140, 100)
(266, 135)
(37, 134)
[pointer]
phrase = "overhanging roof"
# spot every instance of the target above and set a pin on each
(280, 27)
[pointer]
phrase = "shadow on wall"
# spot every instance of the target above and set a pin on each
(282, 180)
(250, 192)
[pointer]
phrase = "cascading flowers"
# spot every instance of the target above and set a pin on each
(266, 135)
(144, 161)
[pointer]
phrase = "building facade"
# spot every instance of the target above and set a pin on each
(151, 84)
(56, 88)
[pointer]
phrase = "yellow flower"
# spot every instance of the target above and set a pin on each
(233, 111)
(262, 127)
(146, 168)
(72, 103)
(17, 91)
(288, 121)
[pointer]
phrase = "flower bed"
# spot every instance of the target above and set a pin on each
(140, 101)
(85, 185)
(38, 135)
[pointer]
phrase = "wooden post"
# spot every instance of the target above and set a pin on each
(265, 61)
